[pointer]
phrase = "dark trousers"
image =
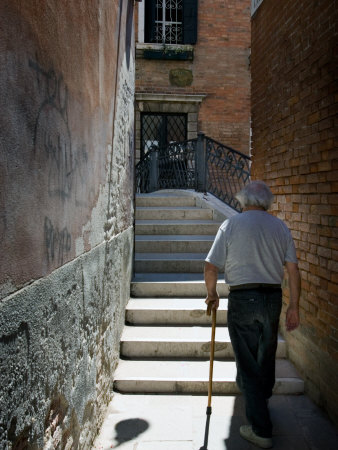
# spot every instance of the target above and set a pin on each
(253, 317)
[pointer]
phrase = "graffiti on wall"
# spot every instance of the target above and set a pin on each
(65, 160)
(58, 242)
(52, 133)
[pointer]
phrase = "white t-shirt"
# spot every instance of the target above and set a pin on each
(252, 247)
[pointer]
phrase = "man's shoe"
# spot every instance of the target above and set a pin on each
(247, 433)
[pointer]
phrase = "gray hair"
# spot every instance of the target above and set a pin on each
(256, 193)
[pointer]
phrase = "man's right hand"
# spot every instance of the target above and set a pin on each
(210, 277)
(212, 302)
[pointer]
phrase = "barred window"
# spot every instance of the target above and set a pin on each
(171, 21)
(168, 22)
(160, 129)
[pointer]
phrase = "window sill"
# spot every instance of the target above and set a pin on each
(168, 52)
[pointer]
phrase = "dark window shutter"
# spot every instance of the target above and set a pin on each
(190, 21)
(149, 20)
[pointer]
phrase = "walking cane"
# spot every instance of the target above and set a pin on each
(212, 351)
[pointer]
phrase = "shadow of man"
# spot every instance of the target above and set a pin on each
(234, 441)
(129, 429)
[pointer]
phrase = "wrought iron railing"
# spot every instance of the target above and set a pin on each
(228, 171)
(176, 165)
(202, 164)
(142, 173)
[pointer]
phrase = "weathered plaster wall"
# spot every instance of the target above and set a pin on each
(66, 214)
(294, 124)
(57, 81)
(59, 347)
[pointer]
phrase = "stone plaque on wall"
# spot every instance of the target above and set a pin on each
(180, 77)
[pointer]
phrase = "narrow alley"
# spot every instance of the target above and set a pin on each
(127, 127)
(161, 382)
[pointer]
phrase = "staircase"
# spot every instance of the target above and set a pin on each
(166, 341)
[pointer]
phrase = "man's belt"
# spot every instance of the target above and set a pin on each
(254, 286)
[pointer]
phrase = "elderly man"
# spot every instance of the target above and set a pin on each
(252, 248)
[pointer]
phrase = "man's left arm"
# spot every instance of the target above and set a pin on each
(292, 313)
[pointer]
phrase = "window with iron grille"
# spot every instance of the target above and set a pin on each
(161, 129)
(168, 21)
(171, 21)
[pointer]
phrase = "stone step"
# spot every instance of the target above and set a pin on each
(173, 244)
(187, 285)
(173, 311)
(192, 377)
(179, 342)
(173, 213)
(177, 227)
(151, 200)
(169, 262)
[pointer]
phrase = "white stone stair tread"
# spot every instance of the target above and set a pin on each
(189, 370)
(173, 304)
(173, 213)
(172, 278)
(170, 256)
(159, 200)
(173, 334)
(169, 208)
(173, 284)
(176, 334)
(177, 222)
(172, 237)
(173, 311)
(164, 194)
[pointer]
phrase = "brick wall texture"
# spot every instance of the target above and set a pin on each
(294, 147)
(220, 70)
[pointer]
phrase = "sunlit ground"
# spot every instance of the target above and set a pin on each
(174, 422)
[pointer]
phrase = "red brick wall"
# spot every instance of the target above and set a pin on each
(294, 124)
(220, 69)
